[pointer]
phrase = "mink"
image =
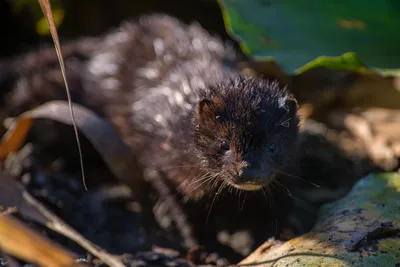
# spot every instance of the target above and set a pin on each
(222, 140)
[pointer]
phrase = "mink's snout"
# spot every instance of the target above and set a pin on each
(251, 176)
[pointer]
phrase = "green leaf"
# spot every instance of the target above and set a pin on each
(360, 230)
(304, 34)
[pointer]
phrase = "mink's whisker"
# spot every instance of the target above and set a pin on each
(298, 177)
(265, 194)
(244, 200)
(221, 187)
(180, 166)
(288, 191)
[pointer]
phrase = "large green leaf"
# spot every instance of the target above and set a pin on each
(303, 34)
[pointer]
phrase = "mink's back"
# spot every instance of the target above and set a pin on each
(144, 77)
(150, 75)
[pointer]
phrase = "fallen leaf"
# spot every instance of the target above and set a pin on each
(22, 242)
(115, 153)
(362, 229)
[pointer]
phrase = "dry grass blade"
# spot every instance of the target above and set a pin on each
(23, 243)
(115, 153)
(46, 8)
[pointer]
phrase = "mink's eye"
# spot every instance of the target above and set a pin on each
(224, 145)
(271, 147)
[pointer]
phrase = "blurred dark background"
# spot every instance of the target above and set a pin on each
(93, 17)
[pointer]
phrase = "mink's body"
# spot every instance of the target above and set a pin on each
(178, 99)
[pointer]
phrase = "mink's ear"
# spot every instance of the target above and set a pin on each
(291, 105)
(205, 110)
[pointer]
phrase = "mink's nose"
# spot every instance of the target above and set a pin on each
(250, 174)
(250, 177)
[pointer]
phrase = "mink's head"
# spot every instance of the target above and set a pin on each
(245, 131)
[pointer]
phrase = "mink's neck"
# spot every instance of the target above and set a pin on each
(180, 161)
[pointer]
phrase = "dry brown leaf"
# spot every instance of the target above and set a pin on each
(14, 138)
(22, 242)
(378, 129)
(379, 151)
(116, 154)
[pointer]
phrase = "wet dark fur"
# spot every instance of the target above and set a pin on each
(174, 93)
